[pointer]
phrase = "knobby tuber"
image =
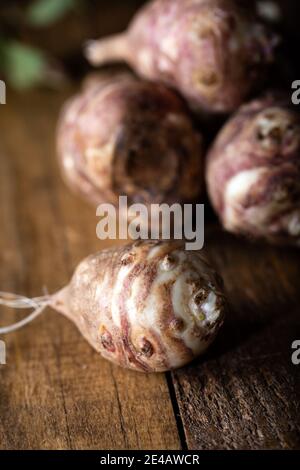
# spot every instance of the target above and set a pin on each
(253, 171)
(149, 306)
(123, 136)
(215, 53)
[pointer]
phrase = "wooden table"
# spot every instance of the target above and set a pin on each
(57, 393)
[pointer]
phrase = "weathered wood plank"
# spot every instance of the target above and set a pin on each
(244, 394)
(55, 391)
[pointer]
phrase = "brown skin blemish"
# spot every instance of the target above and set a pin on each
(168, 263)
(146, 348)
(196, 286)
(207, 78)
(106, 340)
(200, 296)
(177, 325)
(168, 319)
(128, 258)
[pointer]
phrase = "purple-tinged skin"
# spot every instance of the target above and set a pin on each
(213, 52)
(149, 306)
(253, 171)
(123, 136)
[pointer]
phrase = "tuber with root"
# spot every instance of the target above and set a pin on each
(215, 53)
(253, 171)
(123, 136)
(149, 306)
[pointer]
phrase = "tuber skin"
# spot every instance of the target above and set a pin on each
(214, 53)
(122, 136)
(149, 306)
(253, 171)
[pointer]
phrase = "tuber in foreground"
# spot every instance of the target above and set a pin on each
(150, 306)
(253, 171)
(213, 52)
(122, 136)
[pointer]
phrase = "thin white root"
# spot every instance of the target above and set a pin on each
(18, 301)
(107, 50)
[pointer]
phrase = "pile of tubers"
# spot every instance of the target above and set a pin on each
(132, 136)
(153, 306)
(136, 137)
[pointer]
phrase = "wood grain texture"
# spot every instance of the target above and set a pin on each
(245, 393)
(55, 391)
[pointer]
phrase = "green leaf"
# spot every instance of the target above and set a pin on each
(24, 66)
(45, 12)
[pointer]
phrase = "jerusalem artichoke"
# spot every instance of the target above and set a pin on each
(214, 53)
(123, 136)
(253, 171)
(150, 306)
